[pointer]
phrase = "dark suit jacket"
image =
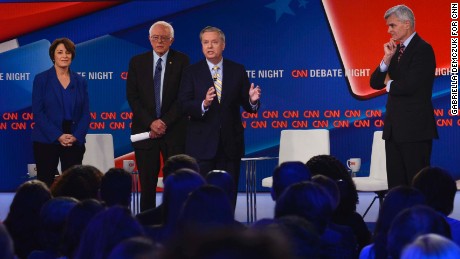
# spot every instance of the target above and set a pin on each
(409, 115)
(222, 121)
(47, 107)
(141, 97)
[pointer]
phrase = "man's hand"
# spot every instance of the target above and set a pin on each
(390, 49)
(153, 135)
(158, 127)
(210, 95)
(254, 93)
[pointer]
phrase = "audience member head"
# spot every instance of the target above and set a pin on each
(106, 230)
(6, 244)
(286, 174)
(431, 246)
(28, 200)
(302, 236)
(22, 220)
(116, 187)
(330, 186)
(223, 180)
(397, 199)
(230, 244)
(177, 162)
(53, 217)
(76, 223)
(178, 185)
(80, 182)
(331, 167)
(308, 200)
(207, 207)
(135, 248)
(439, 188)
(412, 223)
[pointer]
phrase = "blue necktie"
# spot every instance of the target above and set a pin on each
(157, 86)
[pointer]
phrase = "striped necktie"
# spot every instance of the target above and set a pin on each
(217, 82)
(401, 51)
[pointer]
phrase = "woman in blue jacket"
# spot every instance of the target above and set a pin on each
(60, 105)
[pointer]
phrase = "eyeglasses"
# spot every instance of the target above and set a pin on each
(159, 38)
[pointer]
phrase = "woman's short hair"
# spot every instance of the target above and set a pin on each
(68, 44)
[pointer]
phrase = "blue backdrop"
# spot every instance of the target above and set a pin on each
(287, 46)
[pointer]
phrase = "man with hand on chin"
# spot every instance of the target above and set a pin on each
(211, 94)
(407, 72)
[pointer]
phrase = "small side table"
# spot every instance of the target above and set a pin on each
(135, 202)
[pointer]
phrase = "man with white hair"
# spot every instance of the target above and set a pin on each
(151, 89)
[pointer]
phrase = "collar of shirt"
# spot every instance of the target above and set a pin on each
(407, 41)
(220, 65)
(163, 58)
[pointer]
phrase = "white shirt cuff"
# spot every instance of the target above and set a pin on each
(388, 85)
(203, 110)
(383, 67)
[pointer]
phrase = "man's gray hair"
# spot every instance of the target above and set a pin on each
(163, 23)
(212, 29)
(402, 12)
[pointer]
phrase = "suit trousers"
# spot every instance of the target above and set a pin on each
(404, 160)
(47, 158)
(222, 162)
(148, 164)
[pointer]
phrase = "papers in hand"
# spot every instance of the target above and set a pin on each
(140, 136)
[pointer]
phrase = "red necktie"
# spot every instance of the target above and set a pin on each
(401, 51)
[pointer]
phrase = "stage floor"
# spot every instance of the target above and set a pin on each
(265, 206)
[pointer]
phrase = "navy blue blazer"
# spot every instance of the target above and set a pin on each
(223, 120)
(48, 107)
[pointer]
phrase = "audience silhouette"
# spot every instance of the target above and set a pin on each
(412, 223)
(155, 216)
(286, 174)
(315, 217)
(345, 213)
(22, 221)
(79, 182)
(52, 221)
(178, 186)
(397, 199)
(106, 230)
(76, 222)
(6, 244)
(439, 188)
(432, 246)
(116, 187)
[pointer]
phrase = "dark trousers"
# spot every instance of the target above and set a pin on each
(47, 158)
(405, 160)
(148, 164)
(222, 162)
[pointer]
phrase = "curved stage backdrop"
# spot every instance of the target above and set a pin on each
(312, 59)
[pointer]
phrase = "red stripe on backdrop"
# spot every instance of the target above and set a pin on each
(21, 18)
